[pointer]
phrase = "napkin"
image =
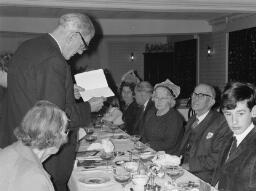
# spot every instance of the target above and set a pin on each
(81, 133)
(166, 160)
(114, 115)
(95, 146)
(107, 145)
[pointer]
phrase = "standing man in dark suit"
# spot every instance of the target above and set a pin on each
(205, 133)
(39, 71)
(143, 95)
(236, 170)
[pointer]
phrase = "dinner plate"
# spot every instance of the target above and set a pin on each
(148, 155)
(120, 137)
(95, 178)
(189, 185)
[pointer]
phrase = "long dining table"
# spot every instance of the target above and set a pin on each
(125, 151)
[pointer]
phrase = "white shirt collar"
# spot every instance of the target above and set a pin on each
(145, 105)
(56, 41)
(241, 137)
(201, 117)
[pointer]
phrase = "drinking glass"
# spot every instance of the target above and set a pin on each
(98, 123)
(90, 138)
(140, 146)
(135, 138)
(122, 176)
(89, 130)
(174, 172)
(107, 156)
(113, 129)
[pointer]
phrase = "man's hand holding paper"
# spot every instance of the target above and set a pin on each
(94, 83)
(77, 90)
(96, 103)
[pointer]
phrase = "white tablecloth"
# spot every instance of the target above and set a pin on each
(120, 145)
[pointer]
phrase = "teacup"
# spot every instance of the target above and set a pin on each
(89, 130)
(90, 138)
(139, 181)
(140, 146)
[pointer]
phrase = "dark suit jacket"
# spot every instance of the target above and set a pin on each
(238, 172)
(38, 71)
(130, 116)
(138, 127)
(208, 142)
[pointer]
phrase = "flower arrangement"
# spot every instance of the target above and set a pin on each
(4, 61)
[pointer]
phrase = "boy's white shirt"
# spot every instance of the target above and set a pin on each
(241, 136)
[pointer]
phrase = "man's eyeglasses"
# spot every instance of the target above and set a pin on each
(86, 46)
(67, 129)
(200, 95)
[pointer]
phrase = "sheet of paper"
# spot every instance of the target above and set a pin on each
(81, 133)
(95, 84)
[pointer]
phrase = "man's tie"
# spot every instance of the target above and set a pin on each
(233, 146)
(195, 123)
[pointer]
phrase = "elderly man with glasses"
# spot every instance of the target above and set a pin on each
(205, 134)
(39, 70)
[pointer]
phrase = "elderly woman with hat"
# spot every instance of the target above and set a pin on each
(163, 128)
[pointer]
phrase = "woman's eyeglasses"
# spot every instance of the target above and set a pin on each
(160, 98)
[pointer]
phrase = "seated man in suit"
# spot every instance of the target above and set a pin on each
(143, 94)
(236, 169)
(205, 133)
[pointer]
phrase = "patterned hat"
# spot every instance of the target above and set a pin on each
(130, 77)
(173, 89)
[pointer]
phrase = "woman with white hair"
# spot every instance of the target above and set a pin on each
(163, 128)
(40, 134)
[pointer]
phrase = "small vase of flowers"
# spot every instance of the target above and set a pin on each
(4, 61)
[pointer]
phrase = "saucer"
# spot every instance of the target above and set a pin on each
(95, 178)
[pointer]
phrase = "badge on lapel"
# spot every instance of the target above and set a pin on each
(209, 135)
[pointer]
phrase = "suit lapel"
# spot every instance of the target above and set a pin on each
(201, 129)
(187, 134)
(141, 119)
(243, 145)
(202, 126)
(138, 125)
(148, 107)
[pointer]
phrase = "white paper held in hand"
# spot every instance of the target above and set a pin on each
(95, 84)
